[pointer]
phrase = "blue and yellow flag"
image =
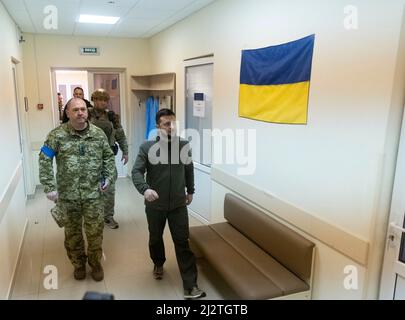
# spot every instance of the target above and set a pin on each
(274, 82)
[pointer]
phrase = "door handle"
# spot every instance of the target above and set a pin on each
(396, 227)
(393, 235)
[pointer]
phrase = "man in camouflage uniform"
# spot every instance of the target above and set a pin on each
(85, 167)
(109, 122)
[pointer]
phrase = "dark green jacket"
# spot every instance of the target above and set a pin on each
(169, 171)
(109, 122)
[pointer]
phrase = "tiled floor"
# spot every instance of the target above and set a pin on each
(126, 260)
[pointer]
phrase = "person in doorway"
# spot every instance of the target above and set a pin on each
(109, 122)
(77, 93)
(85, 167)
(169, 174)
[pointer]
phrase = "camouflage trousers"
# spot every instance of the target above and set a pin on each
(87, 214)
(109, 198)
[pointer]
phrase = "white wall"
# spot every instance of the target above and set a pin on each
(12, 197)
(71, 78)
(338, 168)
(43, 52)
(392, 140)
(8, 116)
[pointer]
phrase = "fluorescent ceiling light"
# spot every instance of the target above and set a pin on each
(87, 18)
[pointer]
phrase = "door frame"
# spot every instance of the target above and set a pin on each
(122, 72)
(391, 264)
(24, 134)
(195, 63)
(123, 87)
(197, 166)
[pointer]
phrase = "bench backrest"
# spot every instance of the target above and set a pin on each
(285, 245)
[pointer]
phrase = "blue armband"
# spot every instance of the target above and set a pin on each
(50, 153)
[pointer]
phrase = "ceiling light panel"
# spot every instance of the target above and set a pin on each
(86, 18)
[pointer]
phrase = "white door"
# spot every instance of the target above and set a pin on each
(199, 106)
(112, 82)
(393, 274)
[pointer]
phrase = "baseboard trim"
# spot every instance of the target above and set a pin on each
(12, 283)
(198, 217)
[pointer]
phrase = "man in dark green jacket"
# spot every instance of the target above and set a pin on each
(109, 122)
(169, 175)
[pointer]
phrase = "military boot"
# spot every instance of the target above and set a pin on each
(111, 223)
(80, 272)
(97, 273)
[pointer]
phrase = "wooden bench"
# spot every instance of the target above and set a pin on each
(257, 256)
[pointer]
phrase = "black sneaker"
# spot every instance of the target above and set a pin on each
(194, 293)
(158, 272)
(111, 223)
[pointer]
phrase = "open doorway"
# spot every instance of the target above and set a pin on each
(66, 82)
(111, 80)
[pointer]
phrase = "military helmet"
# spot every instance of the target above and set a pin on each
(100, 94)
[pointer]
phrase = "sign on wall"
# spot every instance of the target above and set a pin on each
(199, 105)
(90, 51)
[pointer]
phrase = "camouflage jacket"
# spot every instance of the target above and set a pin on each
(82, 161)
(109, 122)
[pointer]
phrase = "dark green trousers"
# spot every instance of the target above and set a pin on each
(179, 230)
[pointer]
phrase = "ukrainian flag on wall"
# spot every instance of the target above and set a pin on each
(274, 82)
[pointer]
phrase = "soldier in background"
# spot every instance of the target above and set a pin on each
(110, 123)
(79, 93)
(85, 168)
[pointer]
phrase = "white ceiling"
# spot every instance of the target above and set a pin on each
(138, 18)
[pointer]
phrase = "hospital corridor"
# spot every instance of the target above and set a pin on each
(126, 258)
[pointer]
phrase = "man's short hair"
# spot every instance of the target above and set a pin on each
(162, 113)
(80, 88)
(71, 100)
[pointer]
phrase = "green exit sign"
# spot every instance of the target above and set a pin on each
(91, 51)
